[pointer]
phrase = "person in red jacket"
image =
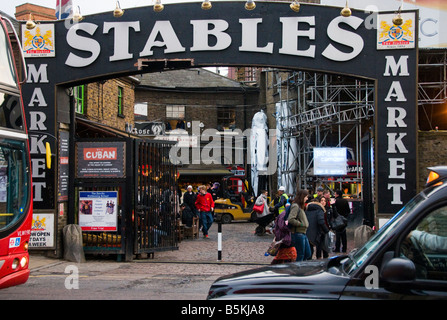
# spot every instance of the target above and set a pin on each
(205, 206)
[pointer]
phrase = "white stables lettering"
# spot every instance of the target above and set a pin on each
(396, 120)
(164, 36)
(37, 123)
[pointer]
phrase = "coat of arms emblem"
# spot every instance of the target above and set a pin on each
(38, 42)
(390, 36)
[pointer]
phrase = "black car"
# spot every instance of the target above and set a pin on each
(405, 259)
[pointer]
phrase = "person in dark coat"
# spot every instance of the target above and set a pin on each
(343, 208)
(187, 215)
(317, 227)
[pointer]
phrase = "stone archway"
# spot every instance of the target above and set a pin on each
(183, 35)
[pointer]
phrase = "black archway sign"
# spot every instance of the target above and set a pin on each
(316, 38)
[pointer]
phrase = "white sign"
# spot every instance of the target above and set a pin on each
(38, 42)
(390, 36)
(42, 231)
(98, 210)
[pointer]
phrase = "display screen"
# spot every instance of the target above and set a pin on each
(330, 161)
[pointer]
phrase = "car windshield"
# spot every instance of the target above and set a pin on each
(357, 258)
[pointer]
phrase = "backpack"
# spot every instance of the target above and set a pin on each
(282, 231)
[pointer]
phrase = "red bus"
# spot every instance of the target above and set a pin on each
(15, 167)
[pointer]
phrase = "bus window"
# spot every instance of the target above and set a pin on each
(10, 112)
(14, 184)
(7, 73)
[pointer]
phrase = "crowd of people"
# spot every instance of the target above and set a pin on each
(308, 219)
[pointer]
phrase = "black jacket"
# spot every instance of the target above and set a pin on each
(317, 224)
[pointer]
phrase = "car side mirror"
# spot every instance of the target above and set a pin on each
(398, 271)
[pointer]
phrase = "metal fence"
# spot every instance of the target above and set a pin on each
(157, 198)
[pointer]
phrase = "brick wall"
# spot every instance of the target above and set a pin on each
(432, 152)
(102, 103)
(40, 13)
(199, 106)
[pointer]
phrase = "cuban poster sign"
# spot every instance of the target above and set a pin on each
(98, 210)
(100, 159)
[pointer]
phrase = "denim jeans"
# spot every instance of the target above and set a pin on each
(302, 246)
(207, 221)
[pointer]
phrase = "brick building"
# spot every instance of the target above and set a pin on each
(197, 95)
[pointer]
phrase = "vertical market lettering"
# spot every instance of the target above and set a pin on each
(396, 120)
(38, 119)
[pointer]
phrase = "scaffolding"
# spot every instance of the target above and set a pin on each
(314, 108)
(432, 87)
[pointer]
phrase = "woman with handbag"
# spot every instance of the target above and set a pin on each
(298, 224)
(261, 206)
(263, 216)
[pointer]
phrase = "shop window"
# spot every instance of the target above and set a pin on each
(120, 102)
(175, 112)
(79, 99)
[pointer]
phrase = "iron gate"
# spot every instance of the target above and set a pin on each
(156, 198)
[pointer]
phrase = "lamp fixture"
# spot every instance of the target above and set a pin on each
(158, 6)
(206, 5)
(295, 6)
(31, 23)
(346, 12)
(397, 19)
(77, 17)
(118, 12)
(250, 5)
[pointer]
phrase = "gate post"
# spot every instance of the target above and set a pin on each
(128, 202)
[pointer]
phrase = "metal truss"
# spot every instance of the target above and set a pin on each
(319, 106)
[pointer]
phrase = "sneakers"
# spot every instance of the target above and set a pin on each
(205, 236)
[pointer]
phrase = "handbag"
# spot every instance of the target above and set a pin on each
(260, 208)
(274, 247)
(339, 223)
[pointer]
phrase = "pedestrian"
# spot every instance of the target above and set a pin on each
(280, 204)
(343, 208)
(189, 197)
(298, 224)
(319, 193)
(187, 215)
(262, 199)
(329, 206)
(205, 206)
(287, 251)
(317, 228)
(268, 221)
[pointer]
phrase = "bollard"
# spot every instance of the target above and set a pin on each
(219, 241)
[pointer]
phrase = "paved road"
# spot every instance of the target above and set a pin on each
(184, 274)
